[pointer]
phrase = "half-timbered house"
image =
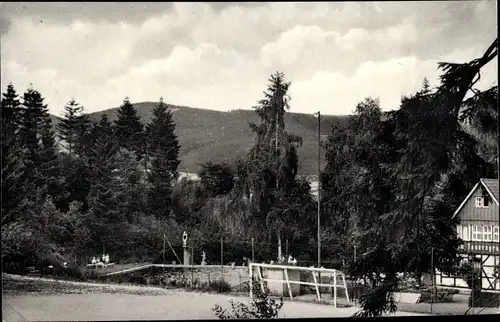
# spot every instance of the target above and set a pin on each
(478, 228)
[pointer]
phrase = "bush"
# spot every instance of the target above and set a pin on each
(470, 274)
(73, 272)
(262, 307)
(220, 286)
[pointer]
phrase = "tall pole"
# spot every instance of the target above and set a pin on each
(319, 192)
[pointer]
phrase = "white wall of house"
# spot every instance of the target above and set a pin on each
(458, 282)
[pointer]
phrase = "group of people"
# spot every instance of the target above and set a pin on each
(291, 260)
(104, 259)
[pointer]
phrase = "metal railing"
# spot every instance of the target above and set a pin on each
(317, 284)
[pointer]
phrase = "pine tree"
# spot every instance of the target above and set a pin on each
(11, 112)
(69, 127)
(35, 118)
(83, 135)
(272, 162)
(129, 176)
(13, 168)
(163, 151)
(129, 129)
(38, 138)
(426, 87)
(104, 218)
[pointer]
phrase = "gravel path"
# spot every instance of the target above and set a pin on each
(184, 305)
(131, 302)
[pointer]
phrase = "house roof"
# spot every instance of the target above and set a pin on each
(490, 185)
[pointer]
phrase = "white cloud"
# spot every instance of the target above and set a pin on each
(335, 54)
(338, 94)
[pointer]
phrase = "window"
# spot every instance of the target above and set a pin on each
(479, 202)
(459, 231)
(495, 234)
(465, 233)
(477, 233)
(482, 202)
(487, 233)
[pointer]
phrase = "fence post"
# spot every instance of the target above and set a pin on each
(472, 293)
(355, 281)
(192, 267)
(250, 281)
(432, 276)
(222, 260)
(286, 250)
(164, 254)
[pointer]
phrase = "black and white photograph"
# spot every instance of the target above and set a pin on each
(249, 160)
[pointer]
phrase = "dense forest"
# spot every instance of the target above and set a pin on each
(389, 188)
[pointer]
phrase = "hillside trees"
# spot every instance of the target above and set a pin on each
(30, 176)
(216, 178)
(163, 153)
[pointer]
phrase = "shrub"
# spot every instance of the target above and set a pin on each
(73, 272)
(220, 286)
(469, 273)
(262, 307)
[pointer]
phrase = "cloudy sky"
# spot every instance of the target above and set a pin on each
(220, 55)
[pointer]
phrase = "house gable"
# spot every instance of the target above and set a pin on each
(467, 211)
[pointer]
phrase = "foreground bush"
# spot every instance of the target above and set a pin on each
(262, 307)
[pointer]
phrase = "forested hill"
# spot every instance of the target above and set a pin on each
(208, 135)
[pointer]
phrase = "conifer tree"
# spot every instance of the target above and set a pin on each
(272, 162)
(129, 129)
(11, 112)
(12, 165)
(163, 150)
(103, 216)
(69, 127)
(38, 138)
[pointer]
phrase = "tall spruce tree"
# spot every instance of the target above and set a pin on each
(11, 112)
(104, 218)
(69, 126)
(129, 129)
(163, 150)
(14, 175)
(11, 119)
(272, 163)
(38, 138)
